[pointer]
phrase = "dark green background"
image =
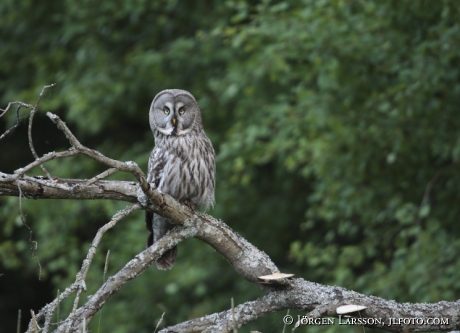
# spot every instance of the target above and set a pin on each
(329, 119)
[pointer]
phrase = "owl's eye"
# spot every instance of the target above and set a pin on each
(181, 111)
(166, 110)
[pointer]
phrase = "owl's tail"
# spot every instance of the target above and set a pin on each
(167, 260)
(159, 226)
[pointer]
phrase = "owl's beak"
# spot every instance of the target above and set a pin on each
(174, 120)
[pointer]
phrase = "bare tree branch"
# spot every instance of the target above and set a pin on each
(308, 296)
(130, 166)
(39, 188)
(29, 131)
(79, 284)
(429, 187)
(132, 269)
(4, 111)
(104, 174)
(4, 178)
(17, 118)
(31, 241)
(223, 321)
(20, 104)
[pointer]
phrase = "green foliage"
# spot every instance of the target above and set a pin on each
(331, 119)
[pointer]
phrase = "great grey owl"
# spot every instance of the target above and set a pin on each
(181, 163)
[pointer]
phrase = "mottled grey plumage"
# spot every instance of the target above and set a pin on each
(182, 162)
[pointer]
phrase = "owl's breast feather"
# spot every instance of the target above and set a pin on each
(189, 170)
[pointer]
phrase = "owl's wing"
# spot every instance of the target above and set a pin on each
(156, 224)
(155, 172)
(157, 163)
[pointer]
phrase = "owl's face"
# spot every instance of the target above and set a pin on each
(174, 112)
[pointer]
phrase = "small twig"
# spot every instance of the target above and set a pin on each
(284, 327)
(34, 321)
(47, 157)
(103, 281)
(233, 317)
(21, 104)
(106, 266)
(29, 132)
(364, 329)
(16, 125)
(18, 327)
(34, 243)
(4, 111)
(159, 322)
(58, 309)
(317, 312)
(49, 309)
(102, 175)
(429, 187)
(82, 287)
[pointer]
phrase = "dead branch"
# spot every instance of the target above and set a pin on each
(129, 166)
(42, 188)
(29, 131)
(79, 285)
(243, 256)
(31, 241)
(17, 118)
(304, 295)
(20, 104)
(102, 175)
(4, 111)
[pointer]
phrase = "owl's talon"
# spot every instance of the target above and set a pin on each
(189, 204)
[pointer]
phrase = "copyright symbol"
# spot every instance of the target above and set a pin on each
(288, 320)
